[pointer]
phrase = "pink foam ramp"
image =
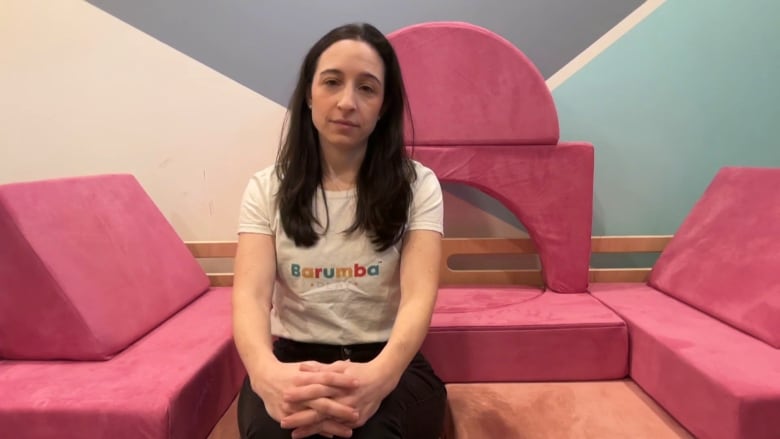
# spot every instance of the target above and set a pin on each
(724, 258)
(87, 266)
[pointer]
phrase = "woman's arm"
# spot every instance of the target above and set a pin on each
(420, 261)
(255, 272)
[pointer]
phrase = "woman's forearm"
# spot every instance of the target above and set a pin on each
(255, 270)
(420, 260)
(252, 333)
(411, 327)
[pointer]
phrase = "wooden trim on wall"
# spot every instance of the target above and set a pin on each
(629, 244)
(488, 246)
(212, 249)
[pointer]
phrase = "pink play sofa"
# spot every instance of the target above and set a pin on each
(701, 337)
(705, 328)
(489, 121)
(108, 325)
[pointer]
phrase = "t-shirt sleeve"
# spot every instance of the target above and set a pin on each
(255, 215)
(427, 212)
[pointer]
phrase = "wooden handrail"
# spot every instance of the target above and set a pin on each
(212, 249)
(488, 246)
(629, 244)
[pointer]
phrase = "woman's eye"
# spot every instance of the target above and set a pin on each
(367, 89)
(331, 82)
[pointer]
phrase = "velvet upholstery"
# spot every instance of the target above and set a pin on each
(725, 257)
(488, 334)
(615, 409)
(468, 85)
(549, 188)
(88, 265)
(175, 382)
(720, 383)
(488, 120)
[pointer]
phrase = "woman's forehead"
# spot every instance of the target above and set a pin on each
(353, 58)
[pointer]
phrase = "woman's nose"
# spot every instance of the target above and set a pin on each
(347, 99)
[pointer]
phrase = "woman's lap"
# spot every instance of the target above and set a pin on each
(415, 409)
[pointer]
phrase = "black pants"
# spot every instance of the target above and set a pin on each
(414, 410)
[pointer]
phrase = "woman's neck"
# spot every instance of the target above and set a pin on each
(340, 167)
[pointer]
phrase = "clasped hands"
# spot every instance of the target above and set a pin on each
(327, 399)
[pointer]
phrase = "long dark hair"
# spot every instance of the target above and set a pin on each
(384, 191)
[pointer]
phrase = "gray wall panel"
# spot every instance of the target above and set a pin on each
(260, 43)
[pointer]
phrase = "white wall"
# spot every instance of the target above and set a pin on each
(84, 93)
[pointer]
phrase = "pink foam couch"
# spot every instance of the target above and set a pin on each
(705, 328)
(703, 332)
(483, 116)
(108, 326)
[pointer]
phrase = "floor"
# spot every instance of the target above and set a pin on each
(575, 410)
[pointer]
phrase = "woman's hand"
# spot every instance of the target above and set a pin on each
(373, 385)
(282, 378)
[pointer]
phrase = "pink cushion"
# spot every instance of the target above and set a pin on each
(548, 188)
(522, 334)
(488, 120)
(725, 258)
(176, 382)
(717, 381)
(87, 265)
(467, 85)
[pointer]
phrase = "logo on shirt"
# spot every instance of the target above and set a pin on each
(356, 270)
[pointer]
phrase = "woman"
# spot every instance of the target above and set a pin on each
(338, 257)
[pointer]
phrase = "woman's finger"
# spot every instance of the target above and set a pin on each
(315, 366)
(333, 379)
(330, 426)
(302, 394)
(311, 366)
(300, 419)
(329, 408)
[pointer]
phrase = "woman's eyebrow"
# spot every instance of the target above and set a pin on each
(340, 73)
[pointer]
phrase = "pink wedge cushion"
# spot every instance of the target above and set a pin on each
(87, 266)
(467, 85)
(484, 117)
(725, 258)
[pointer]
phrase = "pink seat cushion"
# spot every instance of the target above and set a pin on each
(467, 85)
(87, 265)
(720, 383)
(522, 334)
(174, 383)
(725, 258)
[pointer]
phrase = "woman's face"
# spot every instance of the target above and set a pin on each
(347, 93)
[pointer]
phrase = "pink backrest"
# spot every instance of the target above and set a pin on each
(483, 116)
(725, 257)
(87, 266)
(469, 86)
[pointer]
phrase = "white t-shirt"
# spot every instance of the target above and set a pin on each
(340, 291)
